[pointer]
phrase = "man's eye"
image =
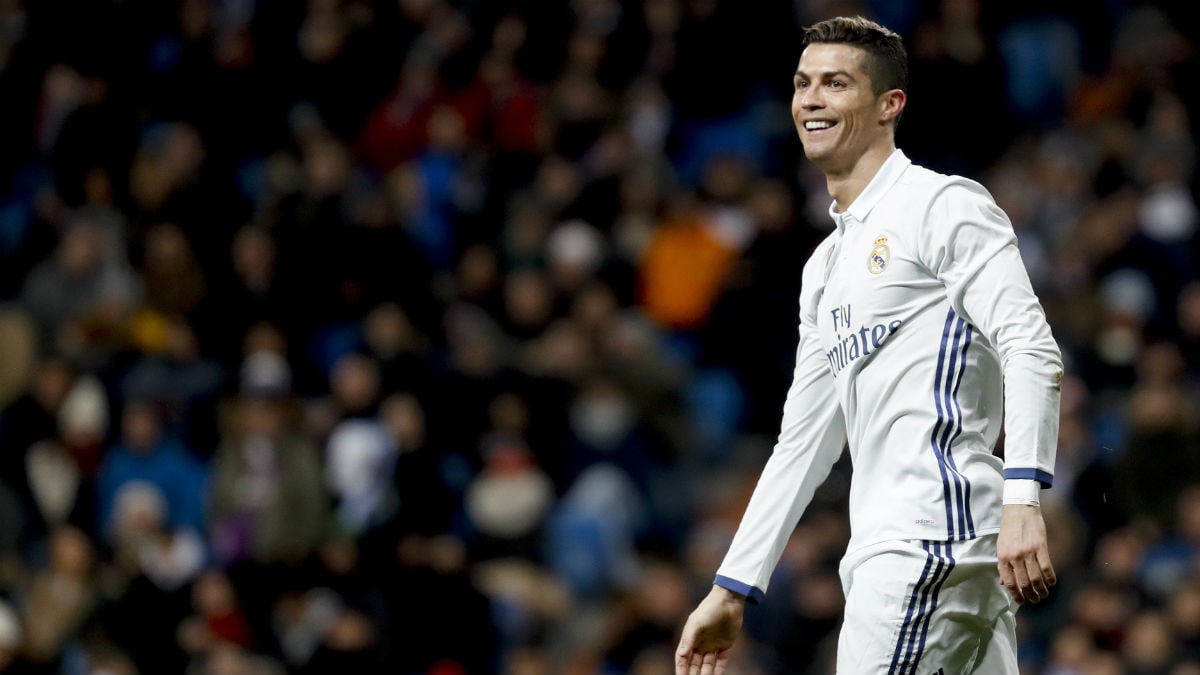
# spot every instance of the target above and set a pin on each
(837, 84)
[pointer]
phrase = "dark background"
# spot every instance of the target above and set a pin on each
(419, 336)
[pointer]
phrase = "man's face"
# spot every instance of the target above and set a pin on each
(835, 111)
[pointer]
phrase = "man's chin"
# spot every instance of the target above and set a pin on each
(818, 156)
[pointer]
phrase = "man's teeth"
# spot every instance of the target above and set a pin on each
(813, 126)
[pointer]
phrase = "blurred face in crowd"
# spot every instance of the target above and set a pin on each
(527, 299)
(70, 551)
(80, 251)
(355, 382)
(478, 272)
(388, 330)
(167, 249)
(51, 382)
(509, 413)
(1147, 645)
(603, 414)
(837, 114)
(262, 417)
(213, 594)
(141, 426)
(326, 167)
(254, 258)
(405, 419)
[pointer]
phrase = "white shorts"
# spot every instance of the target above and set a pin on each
(926, 608)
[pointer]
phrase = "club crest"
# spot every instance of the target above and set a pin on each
(880, 256)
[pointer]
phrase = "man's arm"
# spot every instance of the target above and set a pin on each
(970, 245)
(811, 438)
(812, 435)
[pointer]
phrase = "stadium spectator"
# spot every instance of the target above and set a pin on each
(146, 455)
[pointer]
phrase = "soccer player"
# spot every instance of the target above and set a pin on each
(919, 335)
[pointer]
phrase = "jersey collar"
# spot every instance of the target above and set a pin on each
(883, 181)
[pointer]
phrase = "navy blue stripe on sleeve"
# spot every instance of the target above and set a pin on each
(752, 594)
(1046, 479)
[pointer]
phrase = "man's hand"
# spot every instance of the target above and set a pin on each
(709, 634)
(1025, 568)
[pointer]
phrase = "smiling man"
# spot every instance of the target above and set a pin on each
(920, 336)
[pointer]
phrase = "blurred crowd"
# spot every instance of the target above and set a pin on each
(448, 337)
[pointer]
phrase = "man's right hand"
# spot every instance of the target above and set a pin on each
(709, 634)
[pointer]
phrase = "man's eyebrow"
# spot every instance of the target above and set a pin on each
(827, 74)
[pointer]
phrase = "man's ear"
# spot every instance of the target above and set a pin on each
(891, 104)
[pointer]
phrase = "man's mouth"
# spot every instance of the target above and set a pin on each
(818, 125)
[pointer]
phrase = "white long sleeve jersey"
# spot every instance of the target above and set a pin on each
(919, 335)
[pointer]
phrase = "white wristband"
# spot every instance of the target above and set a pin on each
(1020, 491)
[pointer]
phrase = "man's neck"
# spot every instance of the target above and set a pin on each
(846, 186)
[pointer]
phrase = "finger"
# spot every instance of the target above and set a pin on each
(1006, 577)
(683, 653)
(1043, 558)
(722, 662)
(683, 656)
(1008, 580)
(1023, 580)
(694, 665)
(709, 664)
(1037, 584)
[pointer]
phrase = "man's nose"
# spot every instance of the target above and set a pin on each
(808, 98)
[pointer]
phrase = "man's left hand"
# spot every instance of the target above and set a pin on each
(1025, 568)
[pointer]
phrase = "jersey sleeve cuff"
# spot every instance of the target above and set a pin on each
(1046, 479)
(752, 594)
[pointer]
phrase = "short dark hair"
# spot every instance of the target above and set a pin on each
(887, 61)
